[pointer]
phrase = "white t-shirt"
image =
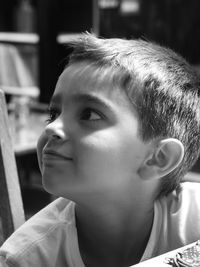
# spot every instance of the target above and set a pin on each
(50, 238)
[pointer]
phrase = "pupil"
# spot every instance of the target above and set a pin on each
(87, 114)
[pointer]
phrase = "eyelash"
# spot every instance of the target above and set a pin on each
(90, 111)
(53, 113)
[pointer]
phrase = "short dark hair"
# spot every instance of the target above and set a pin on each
(163, 87)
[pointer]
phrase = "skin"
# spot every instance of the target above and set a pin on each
(90, 152)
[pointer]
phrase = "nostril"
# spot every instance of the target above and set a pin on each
(49, 131)
(56, 130)
(55, 133)
(52, 133)
(55, 136)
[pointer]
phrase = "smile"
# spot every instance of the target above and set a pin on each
(52, 155)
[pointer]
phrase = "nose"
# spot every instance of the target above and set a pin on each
(55, 130)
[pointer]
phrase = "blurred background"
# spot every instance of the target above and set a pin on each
(33, 46)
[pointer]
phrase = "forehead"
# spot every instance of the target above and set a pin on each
(83, 78)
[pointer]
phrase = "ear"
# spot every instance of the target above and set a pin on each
(166, 156)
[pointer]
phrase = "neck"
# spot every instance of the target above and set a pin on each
(114, 231)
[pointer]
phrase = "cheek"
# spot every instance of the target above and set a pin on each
(101, 150)
(40, 145)
(110, 150)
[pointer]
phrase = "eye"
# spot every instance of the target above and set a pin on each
(89, 114)
(52, 114)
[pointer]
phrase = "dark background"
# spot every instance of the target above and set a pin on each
(174, 23)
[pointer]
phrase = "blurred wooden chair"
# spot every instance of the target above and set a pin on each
(11, 207)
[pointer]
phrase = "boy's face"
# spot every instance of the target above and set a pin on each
(90, 146)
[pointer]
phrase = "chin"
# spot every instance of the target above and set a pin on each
(48, 182)
(51, 189)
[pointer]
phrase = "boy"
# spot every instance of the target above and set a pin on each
(123, 130)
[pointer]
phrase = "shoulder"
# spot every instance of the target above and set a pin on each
(41, 233)
(181, 214)
(58, 212)
(176, 219)
(188, 196)
(191, 188)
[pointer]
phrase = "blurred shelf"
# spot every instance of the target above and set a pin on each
(64, 38)
(19, 38)
(32, 91)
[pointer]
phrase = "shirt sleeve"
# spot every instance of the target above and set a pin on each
(2, 262)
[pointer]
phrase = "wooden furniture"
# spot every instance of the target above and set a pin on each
(11, 207)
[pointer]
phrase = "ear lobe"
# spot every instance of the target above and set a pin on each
(165, 158)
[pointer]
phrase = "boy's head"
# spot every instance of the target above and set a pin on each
(160, 84)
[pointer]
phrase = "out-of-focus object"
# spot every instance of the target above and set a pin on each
(18, 38)
(108, 3)
(192, 176)
(185, 254)
(19, 115)
(15, 72)
(120, 18)
(24, 113)
(11, 207)
(189, 257)
(129, 7)
(25, 17)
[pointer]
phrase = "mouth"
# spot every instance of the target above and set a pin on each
(53, 155)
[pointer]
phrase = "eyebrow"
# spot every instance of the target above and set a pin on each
(84, 98)
(91, 99)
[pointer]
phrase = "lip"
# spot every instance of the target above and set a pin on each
(51, 154)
